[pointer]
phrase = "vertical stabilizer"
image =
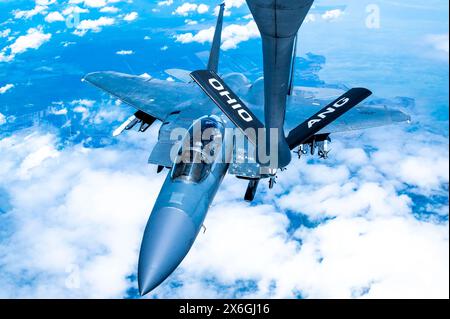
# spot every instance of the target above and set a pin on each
(213, 62)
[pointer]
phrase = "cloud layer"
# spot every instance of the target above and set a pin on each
(341, 229)
(232, 35)
(56, 248)
(370, 222)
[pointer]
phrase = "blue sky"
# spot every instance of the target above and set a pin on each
(372, 221)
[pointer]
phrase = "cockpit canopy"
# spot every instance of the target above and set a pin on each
(200, 149)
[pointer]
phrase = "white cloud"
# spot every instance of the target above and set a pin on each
(27, 14)
(310, 18)
(202, 36)
(165, 3)
(346, 199)
(4, 57)
(93, 25)
(234, 3)
(109, 9)
(164, 48)
(424, 171)
(35, 159)
(90, 3)
(82, 106)
(131, 16)
(332, 15)
(342, 258)
(187, 8)
(67, 43)
(67, 214)
(370, 247)
(45, 2)
(5, 33)
(145, 76)
(6, 88)
(125, 52)
(420, 171)
(54, 16)
(2, 119)
(440, 44)
(34, 38)
(202, 8)
(72, 230)
(74, 9)
(62, 111)
(235, 34)
(83, 110)
(232, 35)
(229, 4)
(83, 102)
(190, 22)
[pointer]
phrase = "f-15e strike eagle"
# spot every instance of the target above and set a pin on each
(197, 165)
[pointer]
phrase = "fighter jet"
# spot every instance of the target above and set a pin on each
(209, 108)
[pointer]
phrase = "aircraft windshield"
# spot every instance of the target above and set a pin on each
(197, 155)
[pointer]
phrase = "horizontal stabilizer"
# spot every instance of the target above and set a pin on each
(327, 115)
(228, 102)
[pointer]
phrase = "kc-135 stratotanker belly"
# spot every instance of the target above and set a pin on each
(198, 166)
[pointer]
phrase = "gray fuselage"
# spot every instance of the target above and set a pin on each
(178, 215)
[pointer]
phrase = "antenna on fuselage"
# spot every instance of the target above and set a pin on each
(213, 61)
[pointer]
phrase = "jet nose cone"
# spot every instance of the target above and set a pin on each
(149, 279)
(168, 236)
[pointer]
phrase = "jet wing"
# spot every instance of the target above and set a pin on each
(157, 98)
(366, 117)
(170, 102)
(361, 117)
(374, 113)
